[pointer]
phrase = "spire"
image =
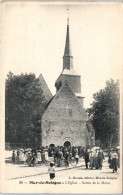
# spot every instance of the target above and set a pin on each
(67, 50)
(67, 58)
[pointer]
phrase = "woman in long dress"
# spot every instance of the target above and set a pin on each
(91, 158)
(22, 158)
(39, 159)
(46, 156)
(29, 158)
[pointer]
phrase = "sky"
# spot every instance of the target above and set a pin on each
(33, 41)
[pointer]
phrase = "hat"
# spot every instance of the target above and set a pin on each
(52, 164)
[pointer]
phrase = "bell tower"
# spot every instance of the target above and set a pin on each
(68, 73)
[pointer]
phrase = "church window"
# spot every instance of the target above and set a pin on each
(70, 112)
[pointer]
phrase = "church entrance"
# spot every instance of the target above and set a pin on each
(52, 146)
(67, 144)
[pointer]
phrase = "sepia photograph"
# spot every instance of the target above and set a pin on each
(61, 73)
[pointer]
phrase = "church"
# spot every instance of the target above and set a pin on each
(65, 121)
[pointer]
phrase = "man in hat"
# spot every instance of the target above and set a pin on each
(86, 156)
(114, 160)
(100, 158)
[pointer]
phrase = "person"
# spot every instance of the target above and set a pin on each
(70, 155)
(43, 156)
(18, 153)
(46, 156)
(80, 152)
(60, 158)
(38, 159)
(114, 157)
(77, 158)
(13, 157)
(29, 158)
(66, 159)
(110, 158)
(56, 156)
(52, 153)
(100, 158)
(96, 164)
(91, 158)
(33, 162)
(118, 153)
(51, 171)
(86, 155)
(76, 150)
(22, 156)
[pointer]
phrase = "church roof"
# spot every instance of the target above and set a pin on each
(70, 72)
(46, 91)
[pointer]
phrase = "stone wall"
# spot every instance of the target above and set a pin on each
(64, 120)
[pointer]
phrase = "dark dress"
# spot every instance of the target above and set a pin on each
(66, 159)
(86, 155)
(100, 159)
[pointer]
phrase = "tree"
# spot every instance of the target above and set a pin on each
(24, 106)
(104, 113)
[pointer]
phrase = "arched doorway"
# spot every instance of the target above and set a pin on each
(52, 146)
(67, 144)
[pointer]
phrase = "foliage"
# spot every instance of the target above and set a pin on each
(24, 107)
(105, 114)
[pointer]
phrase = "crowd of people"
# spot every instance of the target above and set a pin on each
(94, 157)
(63, 156)
(59, 154)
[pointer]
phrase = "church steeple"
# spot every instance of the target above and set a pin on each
(68, 73)
(67, 58)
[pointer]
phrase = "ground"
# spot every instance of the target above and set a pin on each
(20, 178)
(25, 173)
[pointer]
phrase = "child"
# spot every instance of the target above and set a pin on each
(51, 171)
